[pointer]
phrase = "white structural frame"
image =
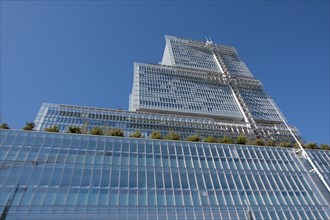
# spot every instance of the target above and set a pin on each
(304, 154)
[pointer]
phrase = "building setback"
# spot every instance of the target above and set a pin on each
(199, 88)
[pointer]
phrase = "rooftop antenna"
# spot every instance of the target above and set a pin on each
(208, 41)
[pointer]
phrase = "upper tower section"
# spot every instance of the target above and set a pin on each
(206, 56)
(202, 79)
(165, 89)
(185, 53)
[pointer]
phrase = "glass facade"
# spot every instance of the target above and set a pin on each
(51, 175)
(231, 60)
(186, 53)
(259, 103)
(162, 89)
(322, 159)
(190, 54)
(65, 116)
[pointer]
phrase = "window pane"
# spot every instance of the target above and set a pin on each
(151, 179)
(223, 181)
(133, 178)
(114, 178)
(184, 180)
(124, 178)
(176, 181)
(159, 179)
(152, 197)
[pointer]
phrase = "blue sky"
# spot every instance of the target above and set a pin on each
(82, 52)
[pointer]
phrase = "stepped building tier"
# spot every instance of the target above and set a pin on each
(65, 116)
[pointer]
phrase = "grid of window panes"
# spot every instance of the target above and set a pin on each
(191, 54)
(65, 116)
(322, 160)
(279, 132)
(256, 99)
(232, 61)
(178, 90)
(123, 178)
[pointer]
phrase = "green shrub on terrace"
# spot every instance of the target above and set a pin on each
(115, 132)
(285, 144)
(241, 139)
(324, 146)
(4, 126)
(96, 131)
(74, 130)
(270, 143)
(172, 136)
(52, 129)
(194, 138)
(210, 139)
(226, 140)
(156, 135)
(311, 145)
(29, 126)
(258, 142)
(136, 134)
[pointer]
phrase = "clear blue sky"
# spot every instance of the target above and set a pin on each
(82, 52)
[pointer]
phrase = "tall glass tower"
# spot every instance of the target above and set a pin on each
(199, 88)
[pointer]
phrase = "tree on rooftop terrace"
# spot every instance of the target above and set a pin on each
(52, 129)
(270, 143)
(194, 138)
(74, 130)
(4, 126)
(296, 145)
(172, 136)
(115, 132)
(241, 139)
(210, 139)
(226, 140)
(29, 126)
(311, 145)
(258, 142)
(96, 131)
(156, 135)
(136, 134)
(286, 144)
(325, 146)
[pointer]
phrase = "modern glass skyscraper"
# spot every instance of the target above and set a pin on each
(198, 78)
(199, 88)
